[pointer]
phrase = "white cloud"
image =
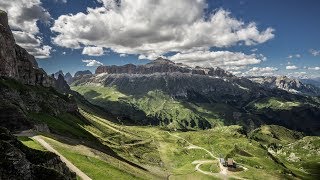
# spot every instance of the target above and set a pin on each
(254, 50)
(314, 68)
(314, 52)
(61, 1)
(294, 56)
(154, 28)
(123, 55)
(64, 53)
(92, 62)
(293, 67)
(223, 59)
(261, 71)
(93, 51)
(23, 17)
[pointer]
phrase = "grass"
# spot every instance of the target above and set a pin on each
(154, 108)
(65, 124)
(275, 104)
(93, 164)
(31, 143)
(163, 154)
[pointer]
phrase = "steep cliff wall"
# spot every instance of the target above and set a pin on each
(16, 62)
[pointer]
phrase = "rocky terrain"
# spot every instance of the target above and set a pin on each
(24, 87)
(287, 84)
(20, 162)
(16, 62)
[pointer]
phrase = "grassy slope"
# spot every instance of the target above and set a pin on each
(300, 154)
(31, 143)
(154, 105)
(275, 104)
(163, 154)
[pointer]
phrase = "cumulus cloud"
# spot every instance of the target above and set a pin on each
(23, 17)
(261, 71)
(154, 28)
(293, 67)
(61, 1)
(225, 59)
(92, 62)
(314, 52)
(93, 51)
(314, 68)
(294, 56)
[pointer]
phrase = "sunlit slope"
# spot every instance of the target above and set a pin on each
(176, 154)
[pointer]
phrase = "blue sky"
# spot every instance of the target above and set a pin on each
(287, 40)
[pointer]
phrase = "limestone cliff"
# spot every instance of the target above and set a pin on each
(16, 62)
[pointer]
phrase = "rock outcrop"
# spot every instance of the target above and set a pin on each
(16, 62)
(20, 162)
(161, 65)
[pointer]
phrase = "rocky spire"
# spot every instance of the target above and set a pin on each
(16, 62)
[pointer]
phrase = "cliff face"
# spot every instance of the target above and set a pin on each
(16, 62)
(24, 87)
(8, 59)
(161, 65)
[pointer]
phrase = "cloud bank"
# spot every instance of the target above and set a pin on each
(156, 27)
(23, 18)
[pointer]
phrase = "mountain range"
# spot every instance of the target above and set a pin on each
(206, 97)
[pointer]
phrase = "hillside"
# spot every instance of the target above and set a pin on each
(181, 97)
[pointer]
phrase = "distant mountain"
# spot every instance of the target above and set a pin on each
(68, 77)
(288, 84)
(313, 81)
(56, 75)
(82, 73)
(182, 97)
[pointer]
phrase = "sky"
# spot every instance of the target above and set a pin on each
(245, 37)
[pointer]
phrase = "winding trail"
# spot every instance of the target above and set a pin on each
(72, 167)
(223, 174)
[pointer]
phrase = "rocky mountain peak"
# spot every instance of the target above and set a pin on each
(16, 62)
(3, 19)
(82, 73)
(56, 75)
(160, 61)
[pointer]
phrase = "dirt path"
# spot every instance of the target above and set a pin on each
(72, 167)
(223, 174)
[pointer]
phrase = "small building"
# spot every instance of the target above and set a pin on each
(230, 162)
